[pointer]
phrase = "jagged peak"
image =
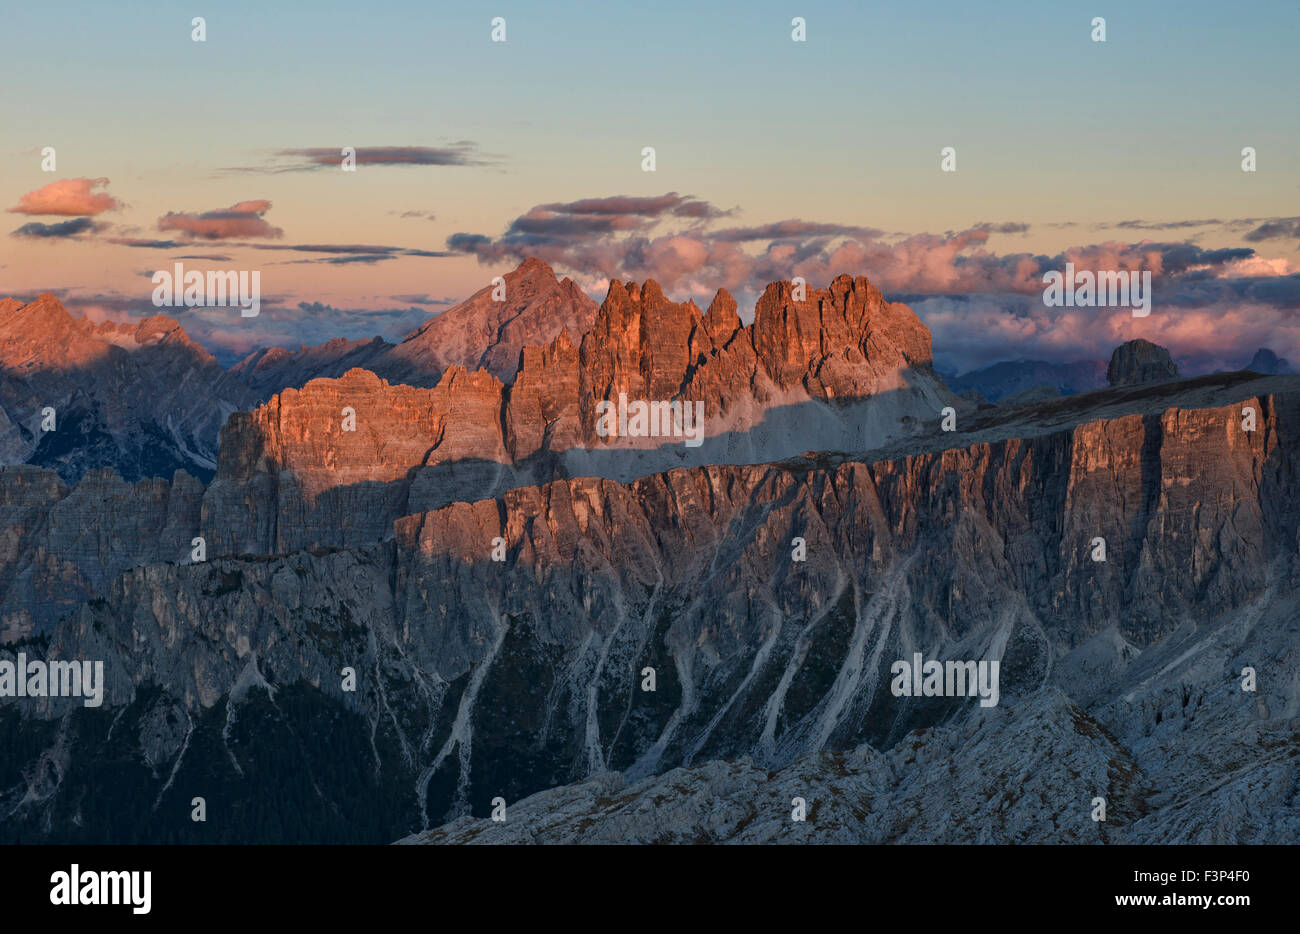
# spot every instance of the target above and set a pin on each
(356, 377)
(722, 319)
(458, 375)
(44, 309)
(724, 304)
(651, 291)
(534, 265)
(158, 326)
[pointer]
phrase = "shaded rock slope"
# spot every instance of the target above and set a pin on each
(522, 678)
(142, 399)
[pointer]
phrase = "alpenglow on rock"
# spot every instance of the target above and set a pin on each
(842, 370)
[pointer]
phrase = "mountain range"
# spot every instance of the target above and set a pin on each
(446, 523)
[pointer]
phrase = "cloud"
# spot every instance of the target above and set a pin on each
(327, 248)
(1166, 225)
(557, 229)
(61, 230)
(367, 258)
(343, 253)
(654, 206)
(240, 220)
(1010, 227)
(1265, 228)
(794, 230)
(1276, 228)
(461, 153)
(293, 325)
(622, 238)
(422, 298)
(983, 305)
(68, 197)
(975, 331)
(146, 244)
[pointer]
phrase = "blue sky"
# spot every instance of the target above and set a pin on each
(1053, 131)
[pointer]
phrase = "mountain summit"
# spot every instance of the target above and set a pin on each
(486, 331)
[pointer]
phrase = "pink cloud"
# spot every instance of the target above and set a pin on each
(240, 220)
(973, 332)
(69, 197)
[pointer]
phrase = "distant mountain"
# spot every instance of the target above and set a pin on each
(269, 369)
(1031, 379)
(483, 333)
(141, 398)
(1139, 361)
(1004, 379)
(1265, 361)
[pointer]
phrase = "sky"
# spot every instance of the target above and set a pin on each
(773, 158)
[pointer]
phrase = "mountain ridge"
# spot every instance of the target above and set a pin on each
(760, 656)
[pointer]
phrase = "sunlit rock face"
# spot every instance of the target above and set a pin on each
(840, 369)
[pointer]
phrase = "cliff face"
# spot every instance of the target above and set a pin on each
(479, 678)
(64, 546)
(335, 463)
(332, 463)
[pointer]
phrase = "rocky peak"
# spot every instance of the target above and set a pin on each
(484, 333)
(1140, 361)
(721, 321)
(158, 327)
(35, 327)
(640, 343)
(843, 340)
(138, 396)
(479, 333)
